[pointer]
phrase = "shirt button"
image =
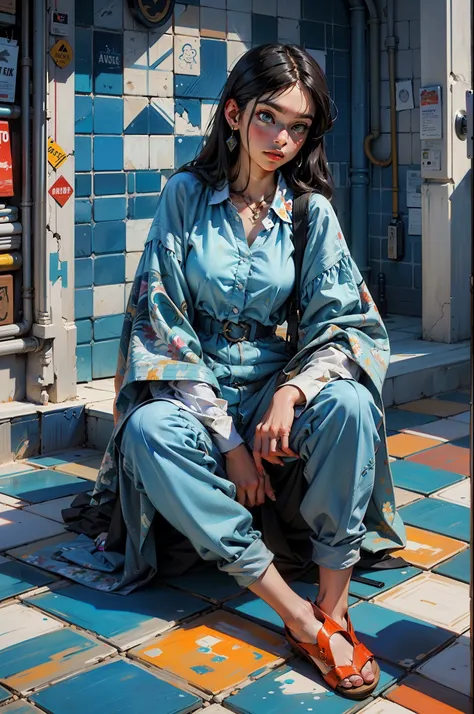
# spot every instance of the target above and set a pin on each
(235, 310)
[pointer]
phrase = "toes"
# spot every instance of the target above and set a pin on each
(346, 683)
(367, 673)
(356, 681)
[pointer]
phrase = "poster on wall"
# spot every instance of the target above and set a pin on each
(6, 170)
(8, 67)
(430, 110)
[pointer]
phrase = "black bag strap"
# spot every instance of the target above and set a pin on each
(300, 225)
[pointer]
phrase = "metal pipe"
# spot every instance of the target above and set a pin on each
(9, 111)
(374, 74)
(20, 346)
(23, 327)
(42, 309)
(391, 44)
(359, 165)
(10, 261)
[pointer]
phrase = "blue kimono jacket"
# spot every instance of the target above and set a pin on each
(197, 258)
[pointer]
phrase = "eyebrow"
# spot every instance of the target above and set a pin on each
(277, 108)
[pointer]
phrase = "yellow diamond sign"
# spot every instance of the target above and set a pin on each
(61, 52)
(56, 155)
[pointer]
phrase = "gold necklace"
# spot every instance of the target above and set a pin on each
(257, 209)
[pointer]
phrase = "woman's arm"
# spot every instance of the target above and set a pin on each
(211, 411)
(325, 365)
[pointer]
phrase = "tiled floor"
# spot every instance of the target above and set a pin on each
(203, 641)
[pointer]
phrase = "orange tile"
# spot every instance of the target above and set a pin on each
(446, 457)
(436, 407)
(421, 695)
(215, 652)
(426, 549)
(402, 445)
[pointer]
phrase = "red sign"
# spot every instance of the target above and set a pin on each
(6, 174)
(61, 191)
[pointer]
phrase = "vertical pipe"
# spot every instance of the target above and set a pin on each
(391, 49)
(26, 203)
(359, 164)
(42, 312)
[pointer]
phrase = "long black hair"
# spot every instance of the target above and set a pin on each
(267, 71)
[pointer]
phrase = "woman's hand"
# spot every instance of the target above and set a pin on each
(252, 487)
(273, 433)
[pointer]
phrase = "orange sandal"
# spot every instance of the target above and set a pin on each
(322, 651)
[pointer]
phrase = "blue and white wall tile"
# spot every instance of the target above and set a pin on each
(187, 55)
(143, 103)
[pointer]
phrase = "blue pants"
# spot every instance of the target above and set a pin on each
(169, 455)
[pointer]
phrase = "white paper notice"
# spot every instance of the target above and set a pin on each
(414, 189)
(430, 110)
(414, 221)
(8, 67)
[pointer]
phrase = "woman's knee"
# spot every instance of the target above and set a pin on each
(350, 405)
(152, 423)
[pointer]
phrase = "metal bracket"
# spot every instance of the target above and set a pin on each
(470, 123)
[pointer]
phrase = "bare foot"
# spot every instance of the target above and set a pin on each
(305, 628)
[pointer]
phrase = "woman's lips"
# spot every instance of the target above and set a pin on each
(273, 155)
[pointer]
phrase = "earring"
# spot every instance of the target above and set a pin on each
(231, 141)
(299, 163)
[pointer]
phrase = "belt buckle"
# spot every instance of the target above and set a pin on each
(227, 326)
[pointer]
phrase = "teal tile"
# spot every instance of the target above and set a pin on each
(299, 688)
(125, 621)
(4, 695)
(209, 583)
(104, 358)
(84, 363)
(20, 707)
(398, 419)
(459, 397)
(254, 608)
(421, 478)
(383, 580)
(118, 686)
(63, 457)
(25, 436)
(458, 568)
(42, 485)
(17, 578)
(439, 517)
(46, 658)
(396, 637)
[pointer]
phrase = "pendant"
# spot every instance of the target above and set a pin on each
(231, 142)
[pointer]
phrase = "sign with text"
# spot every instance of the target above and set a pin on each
(8, 67)
(61, 52)
(56, 155)
(6, 170)
(61, 191)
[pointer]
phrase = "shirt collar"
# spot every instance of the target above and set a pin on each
(282, 204)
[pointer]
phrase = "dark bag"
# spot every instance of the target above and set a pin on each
(300, 226)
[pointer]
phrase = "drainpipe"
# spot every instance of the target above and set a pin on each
(359, 164)
(23, 327)
(19, 346)
(42, 307)
(374, 36)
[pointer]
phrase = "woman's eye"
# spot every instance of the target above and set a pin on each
(300, 128)
(266, 117)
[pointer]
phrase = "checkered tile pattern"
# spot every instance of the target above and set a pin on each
(200, 640)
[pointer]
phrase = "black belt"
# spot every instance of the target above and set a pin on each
(234, 331)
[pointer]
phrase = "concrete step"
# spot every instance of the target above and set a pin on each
(417, 369)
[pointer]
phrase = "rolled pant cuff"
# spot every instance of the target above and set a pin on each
(250, 565)
(336, 557)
